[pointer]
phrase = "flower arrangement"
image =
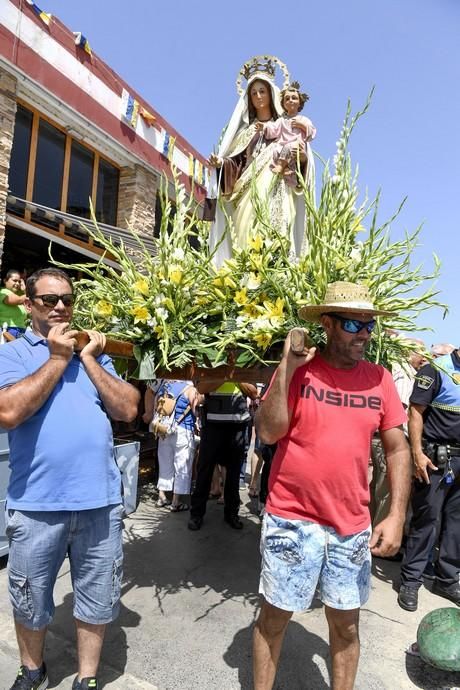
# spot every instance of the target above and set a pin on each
(178, 307)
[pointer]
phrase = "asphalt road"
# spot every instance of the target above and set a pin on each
(188, 607)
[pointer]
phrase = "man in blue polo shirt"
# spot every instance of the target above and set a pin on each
(64, 492)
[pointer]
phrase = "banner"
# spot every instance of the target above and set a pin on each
(44, 16)
(129, 109)
(82, 42)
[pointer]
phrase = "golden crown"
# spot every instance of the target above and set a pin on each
(263, 65)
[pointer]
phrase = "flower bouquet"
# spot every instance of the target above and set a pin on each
(177, 308)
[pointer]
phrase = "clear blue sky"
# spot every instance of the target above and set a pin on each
(183, 57)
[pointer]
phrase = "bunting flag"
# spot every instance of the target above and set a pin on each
(82, 42)
(148, 118)
(44, 16)
(191, 165)
(168, 146)
(129, 109)
(199, 172)
(204, 178)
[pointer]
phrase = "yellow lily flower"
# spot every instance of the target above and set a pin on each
(241, 296)
(141, 314)
(103, 308)
(142, 286)
(256, 242)
(263, 340)
(175, 274)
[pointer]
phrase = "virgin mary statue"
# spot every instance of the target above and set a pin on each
(243, 175)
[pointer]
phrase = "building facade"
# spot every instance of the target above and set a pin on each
(72, 134)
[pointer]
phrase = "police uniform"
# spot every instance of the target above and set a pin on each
(436, 506)
(223, 441)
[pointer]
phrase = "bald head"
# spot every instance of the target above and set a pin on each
(442, 349)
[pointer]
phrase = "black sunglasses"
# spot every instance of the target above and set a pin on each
(354, 325)
(51, 300)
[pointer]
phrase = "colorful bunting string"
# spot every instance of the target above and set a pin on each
(44, 16)
(129, 108)
(82, 42)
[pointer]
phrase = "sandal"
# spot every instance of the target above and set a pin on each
(252, 492)
(163, 503)
(179, 507)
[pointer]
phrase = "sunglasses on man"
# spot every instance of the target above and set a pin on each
(51, 301)
(353, 325)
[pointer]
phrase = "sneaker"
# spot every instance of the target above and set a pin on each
(24, 681)
(85, 684)
(408, 598)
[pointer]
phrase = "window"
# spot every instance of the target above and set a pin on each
(51, 168)
(19, 161)
(107, 193)
(80, 180)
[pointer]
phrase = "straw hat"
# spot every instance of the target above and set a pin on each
(344, 298)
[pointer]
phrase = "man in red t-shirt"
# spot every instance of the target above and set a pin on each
(323, 409)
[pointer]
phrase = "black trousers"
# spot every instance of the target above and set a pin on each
(436, 509)
(220, 444)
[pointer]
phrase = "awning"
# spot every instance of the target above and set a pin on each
(75, 225)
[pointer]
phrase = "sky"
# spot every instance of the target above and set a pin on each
(184, 57)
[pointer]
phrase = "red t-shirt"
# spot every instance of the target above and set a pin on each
(319, 471)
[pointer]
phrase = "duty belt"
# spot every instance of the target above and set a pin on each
(440, 453)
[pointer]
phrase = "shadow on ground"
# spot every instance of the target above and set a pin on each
(299, 644)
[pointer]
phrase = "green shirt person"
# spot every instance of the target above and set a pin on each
(12, 310)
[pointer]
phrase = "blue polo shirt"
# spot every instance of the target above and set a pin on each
(61, 458)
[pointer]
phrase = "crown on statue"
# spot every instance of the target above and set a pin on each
(263, 66)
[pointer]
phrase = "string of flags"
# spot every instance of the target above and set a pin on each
(82, 42)
(131, 109)
(44, 16)
(197, 171)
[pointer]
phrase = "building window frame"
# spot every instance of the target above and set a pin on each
(37, 116)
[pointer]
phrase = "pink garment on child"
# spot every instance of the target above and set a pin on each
(283, 131)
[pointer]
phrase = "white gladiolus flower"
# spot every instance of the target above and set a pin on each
(162, 313)
(178, 254)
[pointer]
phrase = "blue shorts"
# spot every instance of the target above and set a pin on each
(39, 542)
(299, 556)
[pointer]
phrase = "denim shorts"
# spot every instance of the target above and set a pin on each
(39, 542)
(299, 557)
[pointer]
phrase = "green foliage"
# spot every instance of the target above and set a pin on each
(177, 307)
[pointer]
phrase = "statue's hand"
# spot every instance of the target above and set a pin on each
(259, 126)
(214, 161)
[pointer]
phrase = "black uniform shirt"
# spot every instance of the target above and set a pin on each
(440, 426)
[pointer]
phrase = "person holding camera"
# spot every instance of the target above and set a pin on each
(434, 433)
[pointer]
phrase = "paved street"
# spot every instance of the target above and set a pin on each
(189, 604)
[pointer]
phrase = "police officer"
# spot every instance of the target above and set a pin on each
(434, 432)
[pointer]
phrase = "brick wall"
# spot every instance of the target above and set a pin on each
(136, 199)
(7, 118)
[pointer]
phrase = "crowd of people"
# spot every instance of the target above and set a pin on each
(323, 420)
